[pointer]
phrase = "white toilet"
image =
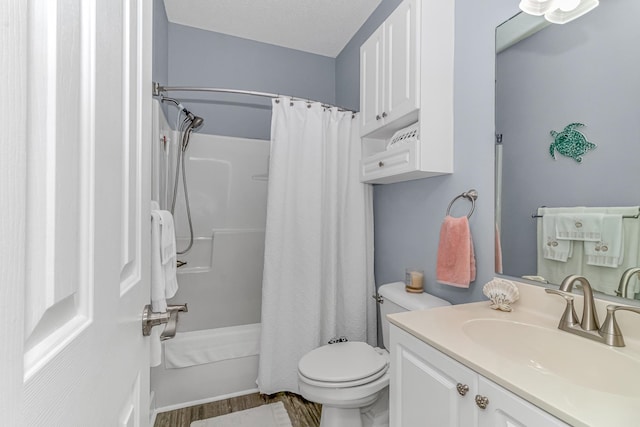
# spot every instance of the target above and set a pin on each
(350, 379)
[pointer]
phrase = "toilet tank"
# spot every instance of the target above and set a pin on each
(395, 300)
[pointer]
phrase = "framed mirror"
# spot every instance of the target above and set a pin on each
(548, 79)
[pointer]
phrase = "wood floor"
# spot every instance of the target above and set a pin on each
(301, 412)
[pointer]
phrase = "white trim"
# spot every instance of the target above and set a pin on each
(202, 401)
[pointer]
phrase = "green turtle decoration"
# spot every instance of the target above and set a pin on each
(570, 143)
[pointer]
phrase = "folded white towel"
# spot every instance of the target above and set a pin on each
(609, 250)
(164, 282)
(580, 226)
(552, 247)
(168, 237)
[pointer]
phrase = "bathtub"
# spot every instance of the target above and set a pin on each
(207, 365)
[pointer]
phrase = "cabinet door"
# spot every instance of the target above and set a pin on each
(424, 386)
(401, 62)
(505, 409)
(371, 75)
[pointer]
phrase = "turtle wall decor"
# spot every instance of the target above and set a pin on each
(570, 143)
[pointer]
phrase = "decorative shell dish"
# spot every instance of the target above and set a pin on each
(502, 294)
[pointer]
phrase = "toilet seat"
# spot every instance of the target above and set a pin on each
(341, 365)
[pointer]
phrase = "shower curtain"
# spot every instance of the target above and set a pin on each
(318, 265)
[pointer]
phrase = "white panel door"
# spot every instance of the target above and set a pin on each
(505, 409)
(428, 388)
(371, 81)
(79, 278)
(401, 61)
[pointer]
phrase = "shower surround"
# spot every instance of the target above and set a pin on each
(222, 280)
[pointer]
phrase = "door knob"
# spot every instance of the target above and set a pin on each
(462, 389)
(482, 401)
(151, 319)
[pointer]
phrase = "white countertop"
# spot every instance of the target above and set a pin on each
(601, 395)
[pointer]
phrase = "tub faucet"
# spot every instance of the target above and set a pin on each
(624, 281)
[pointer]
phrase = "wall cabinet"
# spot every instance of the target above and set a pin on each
(406, 76)
(428, 388)
(389, 70)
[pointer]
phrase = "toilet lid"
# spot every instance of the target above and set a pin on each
(342, 362)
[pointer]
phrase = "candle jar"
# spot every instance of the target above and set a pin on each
(414, 280)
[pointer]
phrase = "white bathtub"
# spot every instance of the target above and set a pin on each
(205, 366)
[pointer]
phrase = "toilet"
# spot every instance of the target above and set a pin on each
(351, 379)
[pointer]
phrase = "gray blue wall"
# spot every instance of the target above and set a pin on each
(585, 71)
(160, 61)
(408, 215)
(204, 58)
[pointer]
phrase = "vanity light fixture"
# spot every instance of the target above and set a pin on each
(558, 11)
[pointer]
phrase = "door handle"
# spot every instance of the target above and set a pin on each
(151, 319)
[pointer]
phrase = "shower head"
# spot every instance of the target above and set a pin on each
(196, 122)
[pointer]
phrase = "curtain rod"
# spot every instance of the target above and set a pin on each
(158, 89)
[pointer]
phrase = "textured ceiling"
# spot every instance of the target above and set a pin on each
(322, 27)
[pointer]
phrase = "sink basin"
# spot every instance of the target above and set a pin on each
(553, 352)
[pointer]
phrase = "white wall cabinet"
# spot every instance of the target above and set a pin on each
(406, 76)
(428, 388)
(389, 70)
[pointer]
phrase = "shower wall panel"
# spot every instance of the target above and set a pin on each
(227, 188)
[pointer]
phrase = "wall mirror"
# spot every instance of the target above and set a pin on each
(548, 77)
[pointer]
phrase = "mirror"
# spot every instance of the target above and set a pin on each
(547, 77)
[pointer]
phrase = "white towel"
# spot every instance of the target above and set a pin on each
(579, 226)
(164, 283)
(553, 248)
(609, 250)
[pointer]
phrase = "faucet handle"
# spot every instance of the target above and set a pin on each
(610, 330)
(569, 317)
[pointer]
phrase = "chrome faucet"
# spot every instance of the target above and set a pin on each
(588, 327)
(589, 316)
(624, 281)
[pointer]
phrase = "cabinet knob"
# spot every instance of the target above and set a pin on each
(378, 117)
(482, 401)
(380, 164)
(384, 114)
(462, 389)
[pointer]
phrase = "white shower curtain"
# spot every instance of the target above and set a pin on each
(318, 265)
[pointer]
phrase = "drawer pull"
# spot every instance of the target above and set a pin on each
(380, 164)
(482, 401)
(462, 389)
(378, 117)
(384, 114)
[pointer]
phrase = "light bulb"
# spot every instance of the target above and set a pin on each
(567, 5)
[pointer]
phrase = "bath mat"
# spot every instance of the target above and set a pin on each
(272, 415)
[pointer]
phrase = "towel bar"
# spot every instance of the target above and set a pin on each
(636, 216)
(472, 195)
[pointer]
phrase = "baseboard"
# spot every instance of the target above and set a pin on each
(201, 401)
(152, 408)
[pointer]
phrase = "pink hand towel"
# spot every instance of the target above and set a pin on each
(456, 261)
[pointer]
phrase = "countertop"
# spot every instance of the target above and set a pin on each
(593, 399)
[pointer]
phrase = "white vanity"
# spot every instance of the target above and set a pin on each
(467, 365)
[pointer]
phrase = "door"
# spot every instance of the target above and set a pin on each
(505, 409)
(428, 388)
(401, 61)
(75, 169)
(371, 82)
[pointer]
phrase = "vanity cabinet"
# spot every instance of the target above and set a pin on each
(406, 76)
(429, 388)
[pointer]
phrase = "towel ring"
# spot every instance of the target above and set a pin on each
(472, 195)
